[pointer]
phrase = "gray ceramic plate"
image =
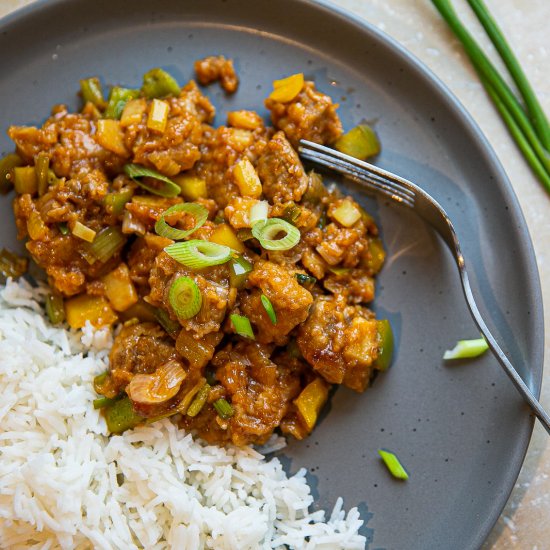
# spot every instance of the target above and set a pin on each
(461, 430)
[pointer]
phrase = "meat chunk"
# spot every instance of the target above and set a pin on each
(141, 259)
(68, 140)
(177, 148)
(281, 171)
(289, 299)
(217, 67)
(340, 341)
(139, 349)
(213, 285)
(310, 115)
(259, 390)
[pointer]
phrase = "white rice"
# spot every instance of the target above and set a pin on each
(60, 473)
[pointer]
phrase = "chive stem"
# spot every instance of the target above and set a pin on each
(540, 122)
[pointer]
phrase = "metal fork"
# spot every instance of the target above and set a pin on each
(410, 195)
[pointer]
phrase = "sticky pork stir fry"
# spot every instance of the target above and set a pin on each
(240, 280)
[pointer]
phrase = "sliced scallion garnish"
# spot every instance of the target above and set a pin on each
(268, 306)
(268, 231)
(304, 279)
(198, 211)
(165, 186)
(117, 201)
(467, 349)
(394, 466)
(83, 232)
(258, 212)
(223, 408)
(169, 325)
(242, 325)
(197, 254)
(55, 308)
(239, 268)
(199, 401)
(63, 228)
(106, 243)
(185, 297)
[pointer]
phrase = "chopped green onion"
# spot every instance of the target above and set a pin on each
(339, 270)
(91, 91)
(52, 178)
(223, 408)
(83, 232)
(360, 142)
(7, 164)
(117, 101)
(385, 344)
(268, 306)
(103, 402)
(169, 325)
(41, 167)
(466, 349)
(164, 187)
(197, 254)
(210, 375)
(292, 214)
(100, 379)
(63, 228)
(258, 212)
(321, 224)
(55, 308)
(12, 265)
(268, 231)
(242, 325)
(120, 416)
(159, 83)
(239, 268)
(117, 201)
(199, 401)
(304, 279)
(198, 211)
(185, 297)
(106, 243)
(394, 466)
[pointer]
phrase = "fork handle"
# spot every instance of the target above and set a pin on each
(521, 386)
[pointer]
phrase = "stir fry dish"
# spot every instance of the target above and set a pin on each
(238, 281)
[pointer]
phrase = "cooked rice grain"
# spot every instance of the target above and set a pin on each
(65, 484)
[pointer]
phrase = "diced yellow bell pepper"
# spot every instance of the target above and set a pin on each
(192, 187)
(119, 288)
(311, 400)
(158, 115)
(95, 309)
(111, 137)
(224, 234)
(249, 120)
(25, 180)
(287, 89)
(133, 112)
(247, 179)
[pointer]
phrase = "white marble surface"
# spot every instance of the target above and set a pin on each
(417, 26)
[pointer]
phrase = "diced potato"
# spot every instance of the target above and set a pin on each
(347, 213)
(119, 288)
(287, 89)
(25, 180)
(95, 309)
(110, 136)
(247, 179)
(192, 187)
(133, 112)
(158, 115)
(248, 120)
(310, 402)
(224, 234)
(36, 227)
